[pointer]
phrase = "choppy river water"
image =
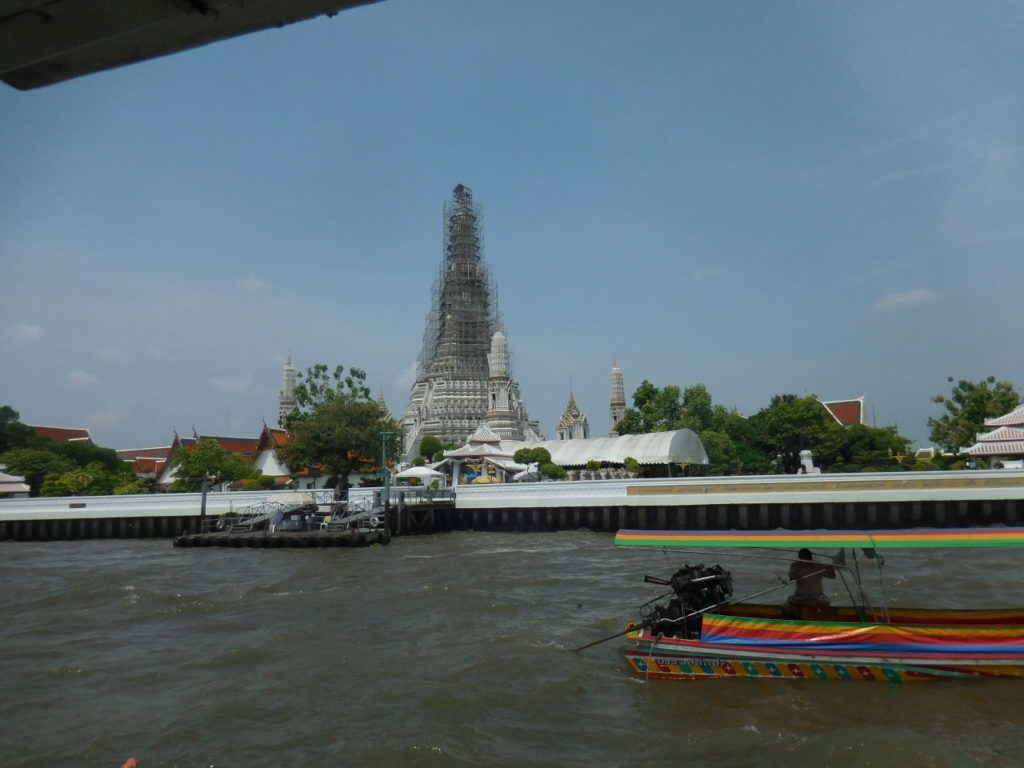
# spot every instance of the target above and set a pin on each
(447, 650)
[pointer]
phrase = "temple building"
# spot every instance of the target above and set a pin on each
(464, 373)
(573, 424)
(617, 407)
(1003, 444)
(288, 402)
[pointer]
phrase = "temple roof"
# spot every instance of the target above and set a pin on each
(1007, 439)
(63, 434)
(846, 412)
(572, 414)
(1013, 418)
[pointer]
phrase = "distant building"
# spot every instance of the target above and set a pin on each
(484, 458)
(1004, 442)
(617, 406)
(288, 402)
(463, 375)
(146, 462)
(573, 425)
(247, 446)
(846, 412)
(13, 486)
(267, 460)
(64, 434)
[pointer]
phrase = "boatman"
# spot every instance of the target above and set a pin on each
(806, 576)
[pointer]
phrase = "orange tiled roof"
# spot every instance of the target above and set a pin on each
(62, 434)
(246, 445)
(144, 465)
(846, 412)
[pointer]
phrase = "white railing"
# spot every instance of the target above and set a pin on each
(979, 485)
(140, 505)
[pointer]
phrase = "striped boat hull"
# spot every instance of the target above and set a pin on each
(755, 646)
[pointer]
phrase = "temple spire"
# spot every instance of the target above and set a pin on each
(617, 407)
(463, 373)
(288, 402)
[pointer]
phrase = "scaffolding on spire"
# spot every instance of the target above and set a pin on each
(450, 397)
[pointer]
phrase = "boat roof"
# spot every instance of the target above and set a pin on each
(911, 538)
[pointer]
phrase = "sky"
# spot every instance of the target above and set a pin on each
(765, 198)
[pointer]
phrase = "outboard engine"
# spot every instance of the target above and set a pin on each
(696, 588)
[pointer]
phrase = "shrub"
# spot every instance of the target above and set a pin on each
(552, 471)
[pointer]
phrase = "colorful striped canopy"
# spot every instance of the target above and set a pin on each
(892, 539)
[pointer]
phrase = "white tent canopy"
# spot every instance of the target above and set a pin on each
(419, 473)
(681, 446)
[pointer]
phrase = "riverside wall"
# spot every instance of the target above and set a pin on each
(862, 501)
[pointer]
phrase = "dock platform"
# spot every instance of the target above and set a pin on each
(297, 539)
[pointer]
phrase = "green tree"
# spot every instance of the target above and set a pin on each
(728, 437)
(93, 479)
(34, 465)
(654, 410)
(83, 454)
(967, 407)
(552, 471)
(789, 425)
(208, 459)
(862, 448)
(430, 446)
(730, 442)
(337, 426)
(14, 434)
(667, 408)
(538, 456)
(131, 484)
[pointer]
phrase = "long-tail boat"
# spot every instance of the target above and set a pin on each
(703, 632)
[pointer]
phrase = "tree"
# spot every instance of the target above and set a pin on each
(789, 425)
(93, 479)
(552, 471)
(430, 446)
(14, 434)
(967, 407)
(667, 408)
(84, 453)
(208, 460)
(862, 448)
(654, 410)
(538, 456)
(34, 465)
(337, 426)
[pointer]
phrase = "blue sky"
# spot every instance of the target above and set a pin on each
(806, 197)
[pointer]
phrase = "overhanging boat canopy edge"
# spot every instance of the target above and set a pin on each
(911, 538)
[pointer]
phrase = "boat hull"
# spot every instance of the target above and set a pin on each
(659, 666)
(747, 646)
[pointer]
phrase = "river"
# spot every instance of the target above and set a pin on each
(445, 650)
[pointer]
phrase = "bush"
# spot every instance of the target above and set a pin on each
(552, 471)
(539, 456)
